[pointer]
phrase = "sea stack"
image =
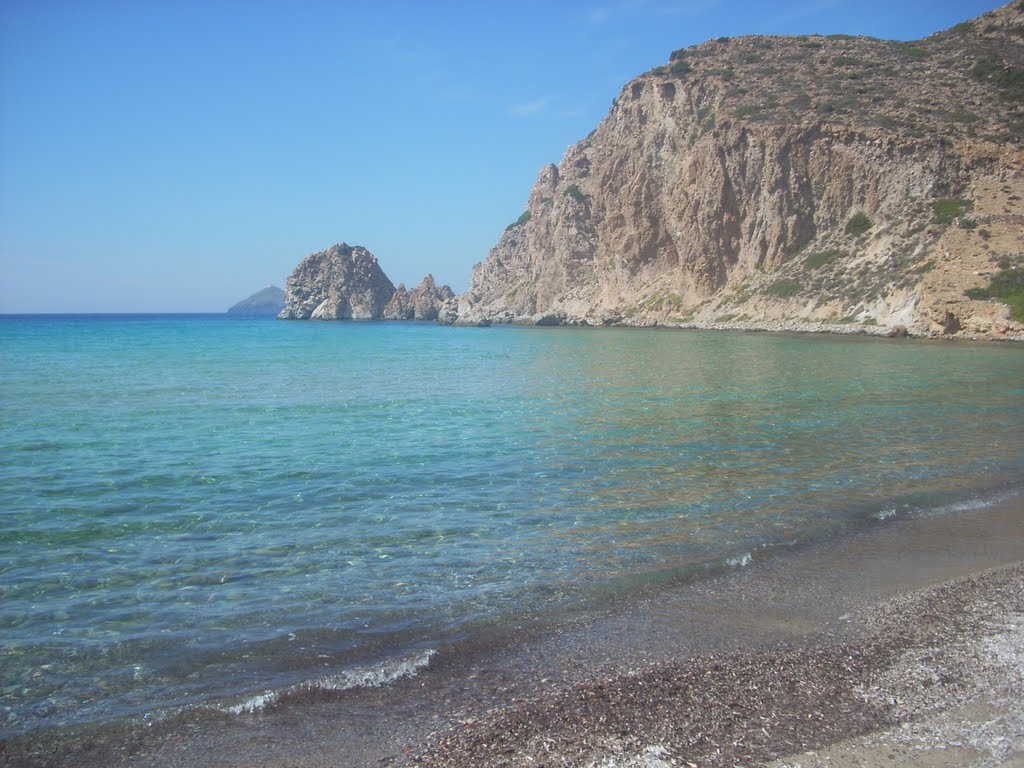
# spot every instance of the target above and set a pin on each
(344, 282)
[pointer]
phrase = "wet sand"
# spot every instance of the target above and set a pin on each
(898, 645)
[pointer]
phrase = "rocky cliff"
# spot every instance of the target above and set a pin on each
(346, 283)
(829, 182)
(269, 301)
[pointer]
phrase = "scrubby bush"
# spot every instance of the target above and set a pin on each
(679, 68)
(1006, 286)
(913, 51)
(525, 217)
(784, 288)
(816, 260)
(726, 73)
(946, 209)
(858, 224)
(575, 193)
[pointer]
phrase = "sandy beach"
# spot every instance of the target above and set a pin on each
(899, 645)
(937, 679)
(920, 668)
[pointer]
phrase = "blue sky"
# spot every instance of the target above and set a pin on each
(178, 156)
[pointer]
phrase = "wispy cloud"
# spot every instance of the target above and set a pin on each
(529, 108)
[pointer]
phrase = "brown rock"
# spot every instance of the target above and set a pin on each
(951, 324)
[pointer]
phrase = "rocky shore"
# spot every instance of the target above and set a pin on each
(936, 677)
(760, 325)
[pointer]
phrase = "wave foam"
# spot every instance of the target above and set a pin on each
(740, 560)
(969, 505)
(374, 676)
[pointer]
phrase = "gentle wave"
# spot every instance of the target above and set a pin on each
(375, 676)
(969, 505)
(983, 501)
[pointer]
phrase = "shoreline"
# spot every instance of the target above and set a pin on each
(937, 679)
(910, 652)
(757, 326)
(602, 690)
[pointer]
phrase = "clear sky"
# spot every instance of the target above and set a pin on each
(179, 155)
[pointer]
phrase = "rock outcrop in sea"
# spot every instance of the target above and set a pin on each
(269, 301)
(817, 182)
(345, 282)
(421, 303)
(341, 283)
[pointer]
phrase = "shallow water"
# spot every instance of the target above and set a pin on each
(199, 510)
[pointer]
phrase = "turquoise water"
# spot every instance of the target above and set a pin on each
(196, 510)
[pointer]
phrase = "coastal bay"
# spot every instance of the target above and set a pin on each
(241, 542)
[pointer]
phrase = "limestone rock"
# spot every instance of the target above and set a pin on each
(840, 182)
(342, 283)
(423, 302)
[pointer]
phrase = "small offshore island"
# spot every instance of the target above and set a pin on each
(815, 183)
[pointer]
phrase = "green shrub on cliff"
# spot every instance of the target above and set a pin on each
(816, 260)
(946, 209)
(858, 224)
(525, 217)
(575, 193)
(679, 68)
(1006, 286)
(784, 288)
(726, 73)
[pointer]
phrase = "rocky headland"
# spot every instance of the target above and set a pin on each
(345, 282)
(835, 183)
(269, 301)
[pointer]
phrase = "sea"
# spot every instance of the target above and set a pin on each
(214, 513)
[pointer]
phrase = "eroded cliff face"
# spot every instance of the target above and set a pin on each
(342, 283)
(764, 181)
